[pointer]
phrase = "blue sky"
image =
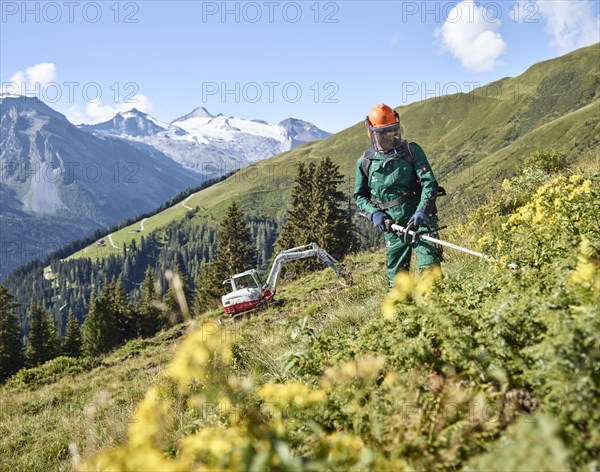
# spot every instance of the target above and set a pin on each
(325, 62)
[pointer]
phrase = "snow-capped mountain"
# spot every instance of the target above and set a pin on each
(299, 131)
(199, 112)
(132, 123)
(59, 183)
(206, 143)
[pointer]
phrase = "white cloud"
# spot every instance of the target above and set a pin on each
(18, 79)
(472, 37)
(97, 112)
(33, 79)
(76, 115)
(42, 73)
(570, 23)
(30, 81)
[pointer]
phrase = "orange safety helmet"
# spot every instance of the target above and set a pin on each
(383, 127)
(382, 115)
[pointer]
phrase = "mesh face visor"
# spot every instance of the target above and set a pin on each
(385, 138)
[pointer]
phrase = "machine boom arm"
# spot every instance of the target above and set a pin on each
(300, 252)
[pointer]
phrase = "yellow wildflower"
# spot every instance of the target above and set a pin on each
(343, 446)
(575, 178)
(294, 392)
(217, 442)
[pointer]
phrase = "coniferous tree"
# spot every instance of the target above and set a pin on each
(316, 213)
(43, 343)
(331, 228)
(235, 252)
(209, 288)
(72, 341)
(100, 328)
(11, 344)
(297, 228)
(173, 305)
(123, 311)
(150, 318)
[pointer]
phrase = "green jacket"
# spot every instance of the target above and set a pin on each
(391, 177)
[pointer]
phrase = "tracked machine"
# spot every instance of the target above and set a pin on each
(248, 291)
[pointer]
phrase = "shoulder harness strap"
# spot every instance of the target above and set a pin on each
(408, 155)
(366, 159)
(369, 155)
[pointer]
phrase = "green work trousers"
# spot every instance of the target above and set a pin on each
(399, 253)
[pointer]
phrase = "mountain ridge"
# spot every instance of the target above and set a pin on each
(466, 156)
(209, 144)
(196, 112)
(58, 176)
(73, 180)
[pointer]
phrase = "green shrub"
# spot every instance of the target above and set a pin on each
(547, 160)
(50, 372)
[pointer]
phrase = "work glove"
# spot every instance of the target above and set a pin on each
(381, 220)
(419, 219)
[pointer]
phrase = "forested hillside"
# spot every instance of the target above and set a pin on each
(473, 141)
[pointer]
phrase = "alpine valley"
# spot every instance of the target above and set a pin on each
(60, 182)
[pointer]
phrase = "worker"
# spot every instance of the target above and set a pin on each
(395, 184)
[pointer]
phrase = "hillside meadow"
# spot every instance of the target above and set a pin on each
(489, 368)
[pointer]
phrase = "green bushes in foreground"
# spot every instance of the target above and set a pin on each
(490, 368)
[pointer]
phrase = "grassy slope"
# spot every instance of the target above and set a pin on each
(472, 140)
(91, 410)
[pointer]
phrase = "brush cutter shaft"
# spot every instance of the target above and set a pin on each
(402, 230)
